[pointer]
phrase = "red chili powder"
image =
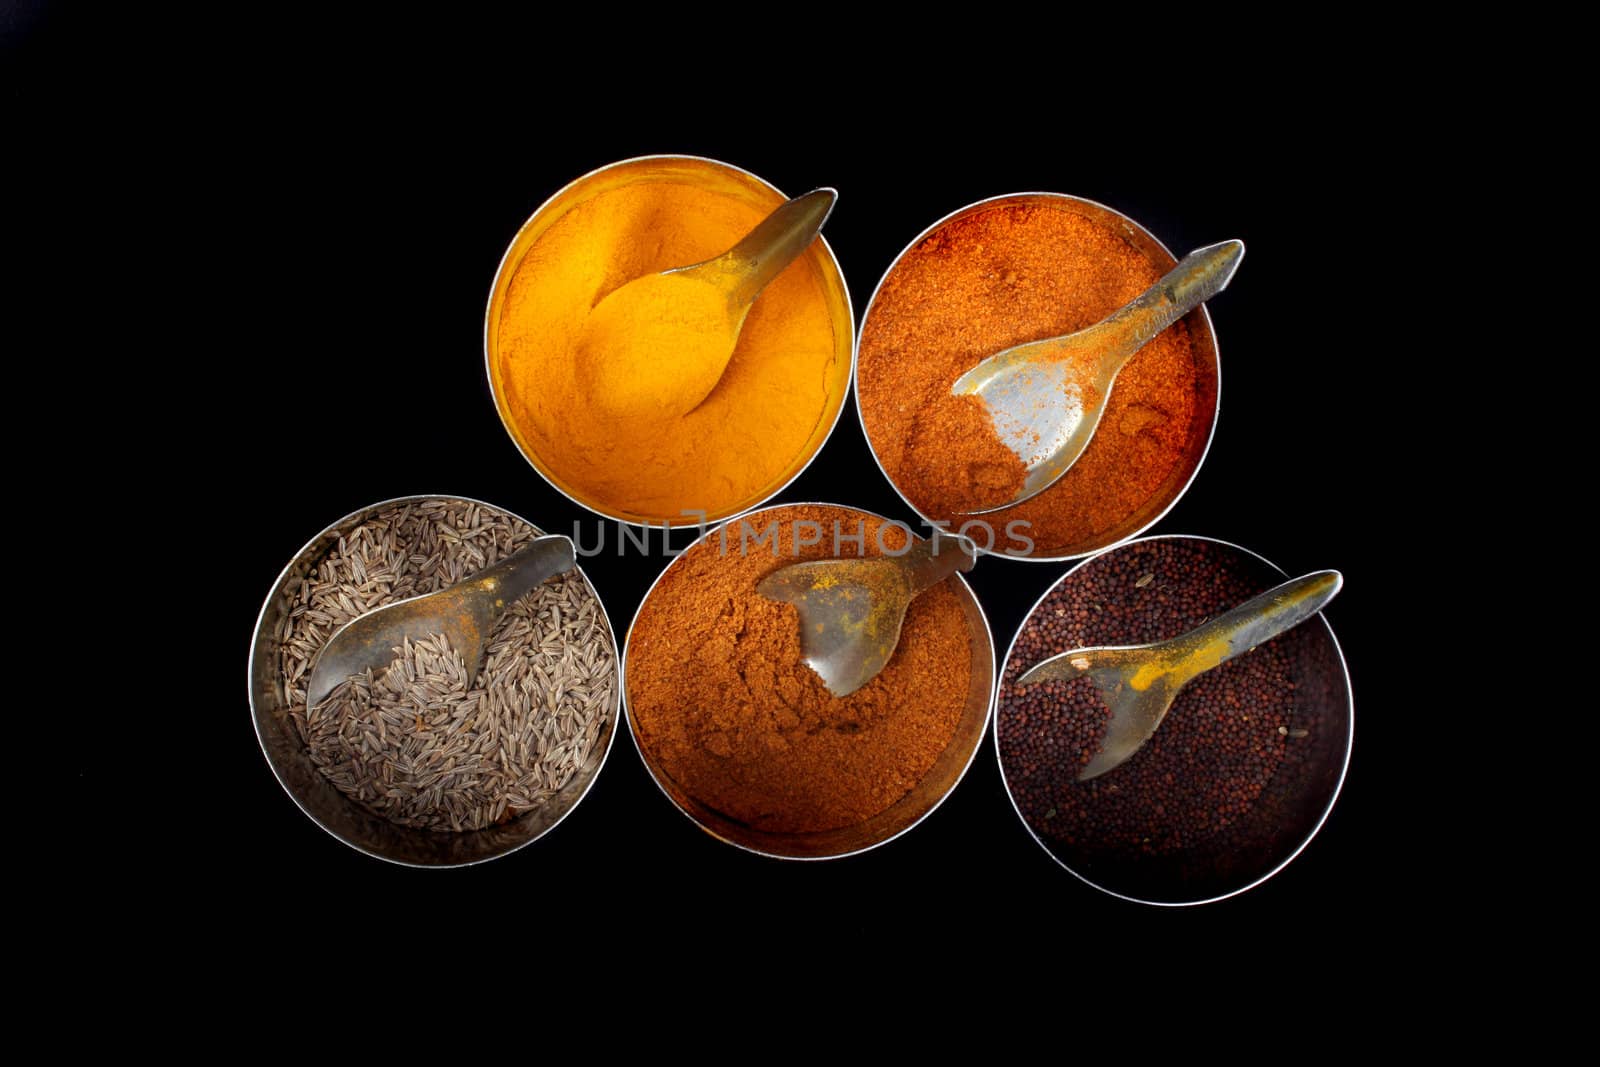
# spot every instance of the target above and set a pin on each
(1010, 272)
(723, 704)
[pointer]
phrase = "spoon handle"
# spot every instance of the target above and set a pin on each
(1256, 621)
(775, 242)
(540, 559)
(1198, 277)
(929, 562)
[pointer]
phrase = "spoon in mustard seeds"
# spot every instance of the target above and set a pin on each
(465, 613)
(851, 610)
(1045, 398)
(655, 348)
(1139, 682)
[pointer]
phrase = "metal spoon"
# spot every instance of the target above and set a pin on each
(851, 609)
(1139, 682)
(709, 300)
(465, 613)
(1045, 398)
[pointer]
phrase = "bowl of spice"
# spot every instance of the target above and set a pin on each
(999, 273)
(768, 415)
(746, 740)
(434, 762)
(1241, 773)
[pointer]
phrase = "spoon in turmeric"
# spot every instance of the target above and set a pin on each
(656, 347)
(1139, 682)
(1045, 398)
(851, 609)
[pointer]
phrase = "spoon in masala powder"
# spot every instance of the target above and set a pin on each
(851, 609)
(656, 347)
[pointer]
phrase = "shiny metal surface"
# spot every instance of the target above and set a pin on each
(901, 816)
(765, 251)
(1287, 814)
(331, 809)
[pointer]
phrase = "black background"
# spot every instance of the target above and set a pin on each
(407, 232)
(395, 230)
(356, 224)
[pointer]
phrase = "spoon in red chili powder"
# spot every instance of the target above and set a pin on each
(1045, 398)
(1138, 682)
(851, 609)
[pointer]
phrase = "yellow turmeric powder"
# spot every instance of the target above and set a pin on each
(769, 412)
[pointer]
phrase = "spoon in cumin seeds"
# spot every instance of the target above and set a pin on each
(465, 614)
(1139, 682)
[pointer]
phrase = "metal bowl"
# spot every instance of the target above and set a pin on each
(723, 177)
(940, 780)
(1202, 335)
(1283, 818)
(337, 813)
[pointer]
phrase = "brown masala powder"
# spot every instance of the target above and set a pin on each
(723, 705)
(1008, 273)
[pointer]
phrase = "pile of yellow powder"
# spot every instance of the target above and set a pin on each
(782, 386)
